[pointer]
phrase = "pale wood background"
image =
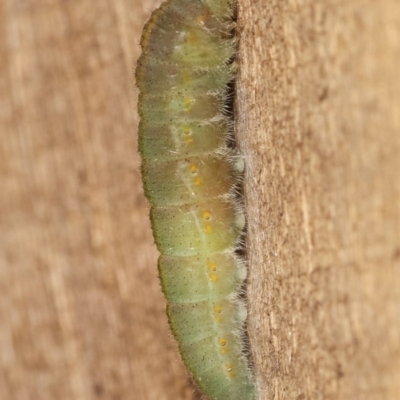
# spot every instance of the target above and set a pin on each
(318, 101)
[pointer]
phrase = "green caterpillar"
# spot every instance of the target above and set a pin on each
(190, 175)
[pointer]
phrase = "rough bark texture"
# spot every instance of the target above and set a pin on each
(318, 100)
(319, 124)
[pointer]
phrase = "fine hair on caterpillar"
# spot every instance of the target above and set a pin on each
(192, 175)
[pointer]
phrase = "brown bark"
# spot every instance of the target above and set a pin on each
(318, 99)
(319, 124)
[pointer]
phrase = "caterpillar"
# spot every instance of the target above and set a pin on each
(190, 176)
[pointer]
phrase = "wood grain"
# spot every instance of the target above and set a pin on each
(318, 104)
(319, 124)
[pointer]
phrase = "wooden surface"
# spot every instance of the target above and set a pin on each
(319, 124)
(318, 101)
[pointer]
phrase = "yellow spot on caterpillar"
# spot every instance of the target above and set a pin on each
(217, 312)
(198, 181)
(188, 103)
(193, 168)
(206, 215)
(186, 129)
(212, 268)
(229, 370)
(188, 133)
(223, 343)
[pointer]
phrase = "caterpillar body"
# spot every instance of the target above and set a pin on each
(190, 175)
